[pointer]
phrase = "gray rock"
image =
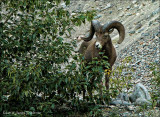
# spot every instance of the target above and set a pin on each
(126, 114)
(130, 27)
(150, 23)
(153, 1)
(80, 7)
(98, 16)
(126, 73)
(98, 9)
(128, 7)
(134, 1)
(123, 96)
(157, 34)
(132, 32)
(121, 99)
(63, 5)
(109, 5)
(140, 30)
(130, 108)
(138, 62)
(140, 95)
(155, 23)
(158, 103)
(128, 14)
(121, 15)
(153, 13)
(110, 12)
(120, 102)
(156, 11)
(116, 46)
(143, 102)
(120, 9)
(138, 26)
(145, 34)
(72, 14)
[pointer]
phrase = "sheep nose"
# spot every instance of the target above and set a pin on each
(98, 45)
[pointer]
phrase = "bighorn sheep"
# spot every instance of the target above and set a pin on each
(90, 48)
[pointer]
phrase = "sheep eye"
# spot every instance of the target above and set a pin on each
(105, 36)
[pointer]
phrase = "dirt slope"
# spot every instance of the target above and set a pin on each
(138, 17)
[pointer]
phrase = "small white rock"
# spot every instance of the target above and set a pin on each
(137, 14)
(116, 46)
(121, 15)
(72, 14)
(63, 5)
(134, 1)
(131, 108)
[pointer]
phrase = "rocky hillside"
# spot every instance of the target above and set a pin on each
(141, 21)
(138, 17)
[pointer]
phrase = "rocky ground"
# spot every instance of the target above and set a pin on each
(141, 21)
(138, 17)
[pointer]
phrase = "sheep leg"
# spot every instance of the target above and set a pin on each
(107, 82)
(101, 93)
(107, 75)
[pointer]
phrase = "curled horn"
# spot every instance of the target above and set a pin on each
(111, 30)
(117, 25)
(95, 26)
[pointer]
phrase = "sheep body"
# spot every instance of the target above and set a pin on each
(90, 48)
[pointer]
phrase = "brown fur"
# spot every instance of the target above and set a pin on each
(89, 50)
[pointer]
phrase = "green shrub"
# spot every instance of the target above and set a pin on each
(119, 83)
(35, 72)
(155, 93)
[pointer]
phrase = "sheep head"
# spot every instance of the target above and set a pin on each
(102, 32)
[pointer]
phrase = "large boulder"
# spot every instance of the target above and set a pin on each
(140, 95)
(121, 99)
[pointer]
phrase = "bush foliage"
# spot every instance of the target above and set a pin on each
(36, 74)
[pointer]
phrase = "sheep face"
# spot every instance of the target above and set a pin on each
(101, 40)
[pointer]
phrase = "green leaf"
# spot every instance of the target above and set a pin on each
(26, 93)
(52, 106)
(67, 2)
(32, 109)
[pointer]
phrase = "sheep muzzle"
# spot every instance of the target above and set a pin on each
(98, 45)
